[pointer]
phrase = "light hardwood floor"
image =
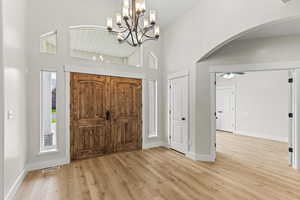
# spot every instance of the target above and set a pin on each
(246, 168)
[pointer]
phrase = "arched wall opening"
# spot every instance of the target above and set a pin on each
(269, 52)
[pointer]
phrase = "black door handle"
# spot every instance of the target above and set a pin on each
(107, 115)
(183, 119)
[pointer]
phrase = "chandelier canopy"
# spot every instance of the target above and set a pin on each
(134, 26)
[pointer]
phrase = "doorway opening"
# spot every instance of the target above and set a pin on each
(105, 115)
(254, 118)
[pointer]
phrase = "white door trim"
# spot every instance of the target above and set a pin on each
(233, 89)
(184, 73)
(214, 69)
(87, 70)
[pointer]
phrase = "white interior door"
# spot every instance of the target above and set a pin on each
(178, 102)
(225, 109)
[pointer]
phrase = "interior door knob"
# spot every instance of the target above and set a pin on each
(183, 119)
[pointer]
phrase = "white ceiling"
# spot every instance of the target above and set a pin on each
(169, 10)
(291, 27)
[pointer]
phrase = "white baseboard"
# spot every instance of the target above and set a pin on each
(154, 144)
(260, 135)
(46, 164)
(15, 187)
(200, 157)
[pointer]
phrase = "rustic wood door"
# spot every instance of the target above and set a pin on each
(105, 115)
(126, 114)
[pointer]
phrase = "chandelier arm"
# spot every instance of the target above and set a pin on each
(116, 32)
(149, 40)
(145, 34)
(130, 43)
(136, 29)
(130, 31)
(127, 36)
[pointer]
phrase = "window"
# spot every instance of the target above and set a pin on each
(153, 61)
(153, 108)
(94, 43)
(48, 42)
(48, 111)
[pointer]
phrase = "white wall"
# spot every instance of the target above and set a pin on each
(206, 27)
(14, 19)
(210, 23)
(45, 16)
(1, 106)
(261, 104)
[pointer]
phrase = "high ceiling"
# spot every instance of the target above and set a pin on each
(168, 10)
(291, 27)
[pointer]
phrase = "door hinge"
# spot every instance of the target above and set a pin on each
(215, 145)
(291, 150)
(170, 86)
(291, 80)
(169, 137)
(215, 82)
(170, 111)
(291, 115)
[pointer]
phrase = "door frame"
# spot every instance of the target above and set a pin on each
(256, 67)
(99, 71)
(184, 73)
(233, 89)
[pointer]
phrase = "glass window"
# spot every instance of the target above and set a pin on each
(96, 44)
(153, 108)
(48, 42)
(48, 111)
(153, 61)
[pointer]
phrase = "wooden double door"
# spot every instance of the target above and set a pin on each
(106, 115)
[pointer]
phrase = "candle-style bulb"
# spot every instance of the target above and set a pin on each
(118, 19)
(126, 3)
(146, 23)
(109, 24)
(152, 17)
(125, 13)
(120, 37)
(143, 6)
(156, 32)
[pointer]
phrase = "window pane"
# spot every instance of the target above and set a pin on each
(152, 108)
(48, 42)
(96, 44)
(153, 61)
(48, 110)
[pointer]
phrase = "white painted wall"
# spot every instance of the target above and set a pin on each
(1, 106)
(206, 27)
(14, 37)
(261, 104)
(45, 16)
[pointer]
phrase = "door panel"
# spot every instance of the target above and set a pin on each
(126, 107)
(179, 114)
(88, 119)
(225, 108)
(106, 115)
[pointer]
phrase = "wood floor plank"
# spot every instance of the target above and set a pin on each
(246, 168)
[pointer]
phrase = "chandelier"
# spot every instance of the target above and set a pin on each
(134, 26)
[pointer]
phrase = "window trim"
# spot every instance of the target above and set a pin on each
(153, 133)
